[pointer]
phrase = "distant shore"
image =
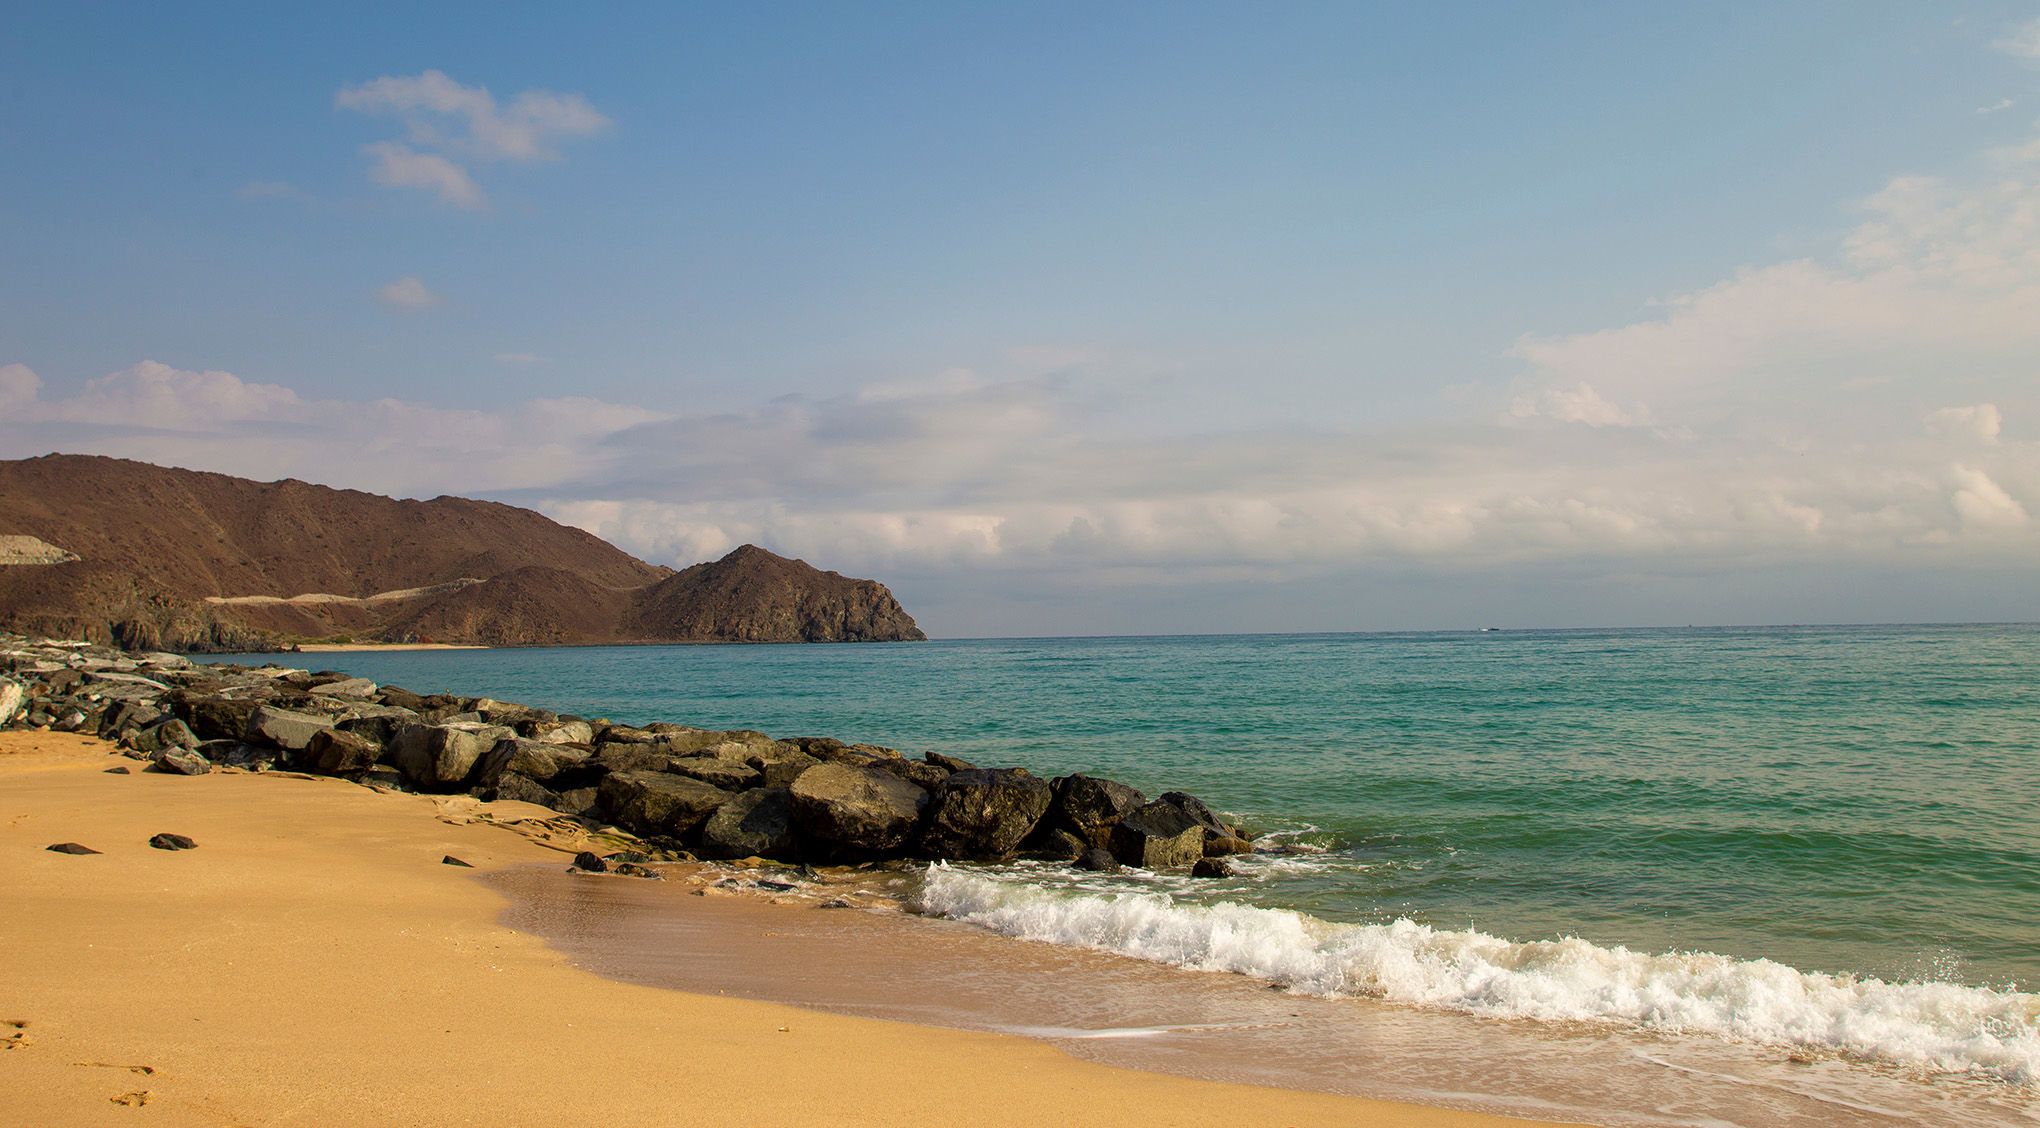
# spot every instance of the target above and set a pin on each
(455, 1018)
(352, 647)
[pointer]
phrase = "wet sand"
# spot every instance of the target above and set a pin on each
(313, 962)
(1115, 1010)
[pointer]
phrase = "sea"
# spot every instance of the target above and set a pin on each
(1794, 867)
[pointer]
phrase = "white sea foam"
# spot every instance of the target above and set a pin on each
(1936, 1026)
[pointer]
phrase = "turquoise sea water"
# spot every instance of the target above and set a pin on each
(1856, 801)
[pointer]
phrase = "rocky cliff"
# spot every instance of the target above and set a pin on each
(123, 552)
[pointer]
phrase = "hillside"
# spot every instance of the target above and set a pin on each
(180, 559)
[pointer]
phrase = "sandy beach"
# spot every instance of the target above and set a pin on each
(313, 961)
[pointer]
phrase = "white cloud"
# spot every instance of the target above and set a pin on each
(1980, 422)
(18, 387)
(407, 294)
(2022, 41)
(1579, 403)
(447, 124)
(1998, 106)
(399, 166)
(519, 358)
(1981, 501)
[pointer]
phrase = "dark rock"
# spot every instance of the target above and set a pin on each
(920, 773)
(1211, 867)
(286, 730)
(380, 726)
(172, 842)
(590, 862)
(1158, 835)
(401, 698)
(581, 802)
(718, 772)
(1058, 845)
(337, 752)
(947, 763)
(441, 756)
(218, 718)
(70, 848)
(624, 734)
(513, 786)
(450, 860)
(384, 776)
(532, 759)
(848, 809)
(239, 754)
(1097, 861)
(166, 733)
(1089, 808)
(983, 813)
(780, 769)
(181, 761)
(117, 771)
(659, 803)
(632, 869)
(1194, 807)
(757, 823)
(614, 756)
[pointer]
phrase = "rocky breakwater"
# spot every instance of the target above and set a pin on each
(720, 794)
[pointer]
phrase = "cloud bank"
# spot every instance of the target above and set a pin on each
(1873, 409)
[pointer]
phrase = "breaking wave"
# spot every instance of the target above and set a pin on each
(1942, 1027)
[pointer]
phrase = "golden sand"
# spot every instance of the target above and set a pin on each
(313, 962)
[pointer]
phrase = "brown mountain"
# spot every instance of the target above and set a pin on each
(188, 560)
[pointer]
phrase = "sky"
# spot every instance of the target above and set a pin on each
(1080, 318)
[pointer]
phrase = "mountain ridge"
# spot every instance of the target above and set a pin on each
(169, 558)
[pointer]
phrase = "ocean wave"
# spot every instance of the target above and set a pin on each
(1942, 1027)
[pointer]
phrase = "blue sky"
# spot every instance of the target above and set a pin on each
(1074, 317)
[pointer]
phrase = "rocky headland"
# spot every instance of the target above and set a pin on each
(152, 558)
(680, 791)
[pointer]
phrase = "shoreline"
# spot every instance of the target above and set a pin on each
(321, 908)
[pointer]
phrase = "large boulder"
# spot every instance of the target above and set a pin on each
(920, 773)
(11, 698)
(659, 803)
(525, 790)
(855, 810)
(289, 731)
(181, 761)
(344, 687)
(441, 756)
(166, 733)
(780, 765)
(337, 753)
(983, 813)
(218, 718)
(1158, 835)
(1089, 808)
(567, 732)
(1194, 807)
(630, 756)
(533, 759)
(757, 823)
(714, 770)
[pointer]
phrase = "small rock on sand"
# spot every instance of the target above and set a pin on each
(172, 842)
(591, 862)
(450, 860)
(71, 848)
(117, 771)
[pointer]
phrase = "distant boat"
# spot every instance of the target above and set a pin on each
(1489, 630)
